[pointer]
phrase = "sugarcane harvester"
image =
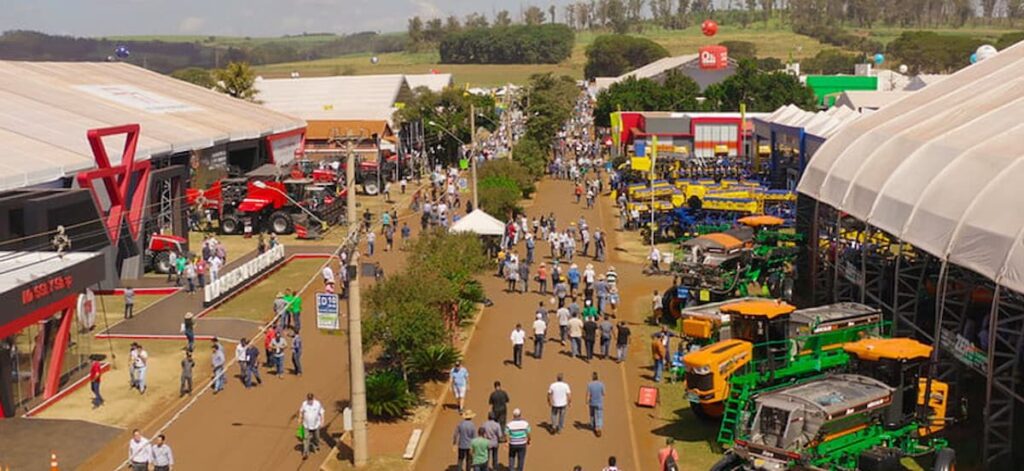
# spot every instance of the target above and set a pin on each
(865, 421)
(771, 343)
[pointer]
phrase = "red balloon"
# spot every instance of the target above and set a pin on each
(709, 27)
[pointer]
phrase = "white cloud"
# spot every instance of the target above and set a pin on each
(191, 24)
(427, 9)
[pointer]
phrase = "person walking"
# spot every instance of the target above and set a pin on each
(95, 372)
(606, 327)
(589, 311)
(242, 358)
(499, 403)
(462, 440)
(187, 365)
(621, 342)
(296, 353)
(371, 238)
(576, 336)
(595, 401)
(141, 364)
(480, 450)
(217, 361)
(563, 324)
(518, 433)
(658, 353)
(163, 458)
(494, 433)
(524, 277)
(190, 276)
(589, 336)
(540, 328)
(460, 384)
(406, 234)
(188, 327)
(129, 302)
(542, 278)
(277, 347)
(253, 372)
(139, 452)
(668, 457)
(518, 338)
(311, 416)
(268, 338)
(559, 398)
(612, 462)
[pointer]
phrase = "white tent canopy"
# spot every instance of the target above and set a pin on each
(941, 169)
(479, 222)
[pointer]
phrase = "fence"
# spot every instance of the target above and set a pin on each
(233, 279)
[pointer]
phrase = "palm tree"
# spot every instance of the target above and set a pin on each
(238, 80)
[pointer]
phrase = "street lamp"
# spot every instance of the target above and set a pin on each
(263, 186)
(472, 146)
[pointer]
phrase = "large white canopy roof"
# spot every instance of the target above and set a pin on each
(942, 168)
(479, 222)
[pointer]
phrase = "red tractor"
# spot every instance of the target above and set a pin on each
(158, 251)
(369, 174)
(267, 204)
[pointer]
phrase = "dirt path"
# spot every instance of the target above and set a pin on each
(490, 351)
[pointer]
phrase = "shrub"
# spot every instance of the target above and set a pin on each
(510, 168)
(612, 55)
(499, 196)
(387, 395)
(832, 62)
(433, 361)
(519, 44)
(740, 49)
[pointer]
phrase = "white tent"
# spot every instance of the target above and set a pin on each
(940, 169)
(479, 222)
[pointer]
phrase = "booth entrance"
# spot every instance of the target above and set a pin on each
(43, 344)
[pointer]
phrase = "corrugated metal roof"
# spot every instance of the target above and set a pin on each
(47, 108)
(335, 98)
(325, 129)
(434, 82)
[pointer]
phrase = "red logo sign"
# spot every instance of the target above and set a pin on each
(46, 288)
(714, 57)
(117, 180)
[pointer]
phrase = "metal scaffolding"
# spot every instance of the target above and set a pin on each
(980, 326)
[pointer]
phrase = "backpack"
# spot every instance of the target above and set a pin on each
(670, 463)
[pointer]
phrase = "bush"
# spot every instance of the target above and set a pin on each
(387, 395)
(740, 49)
(770, 64)
(838, 37)
(512, 169)
(678, 93)
(519, 44)
(499, 196)
(612, 55)
(832, 62)
(531, 156)
(932, 53)
(433, 361)
(1009, 39)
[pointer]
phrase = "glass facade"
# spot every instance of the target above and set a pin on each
(29, 355)
(707, 136)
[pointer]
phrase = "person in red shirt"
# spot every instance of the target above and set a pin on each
(95, 371)
(664, 462)
(271, 333)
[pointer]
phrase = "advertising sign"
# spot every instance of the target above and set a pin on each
(327, 311)
(713, 57)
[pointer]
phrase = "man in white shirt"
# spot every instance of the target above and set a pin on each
(563, 315)
(141, 363)
(139, 452)
(559, 398)
(655, 258)
(163, 458)
(540, 328)
(518, 337)
(215, 264)
(242, 358)
(328, 274)
(311, 416)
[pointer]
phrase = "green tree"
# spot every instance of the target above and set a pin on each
(832, 62)
(618, 17)
(933, 53)
(499, 196)
(760, 91)
(502, 19)
(531, 156)
(533, 16)
(612, 55)
(195, 76)
(740, 49)
(415, 30)
(512, 169)
(475, 20)
(677, 93)
(237, 80)
(551, 101)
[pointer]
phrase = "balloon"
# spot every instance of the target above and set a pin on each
(709, 27)
(904, 68)
(986, 51)
(122, 52)
(374, 60)
(879, 58)
(974, 57)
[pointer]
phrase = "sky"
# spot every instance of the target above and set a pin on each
(236, 17)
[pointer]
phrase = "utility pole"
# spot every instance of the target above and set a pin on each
(357, 378)
(472, 151)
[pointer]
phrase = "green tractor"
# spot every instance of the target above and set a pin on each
(865, 421)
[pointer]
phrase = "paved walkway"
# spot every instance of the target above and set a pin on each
(490, 351)
(72, 440)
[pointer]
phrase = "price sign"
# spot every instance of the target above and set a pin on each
(327, 311)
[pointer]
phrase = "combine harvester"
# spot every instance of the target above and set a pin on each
(865, 421)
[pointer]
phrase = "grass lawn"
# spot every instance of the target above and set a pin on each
(256, 303)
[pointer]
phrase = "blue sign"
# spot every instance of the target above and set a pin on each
(327, 311)
(682, 292)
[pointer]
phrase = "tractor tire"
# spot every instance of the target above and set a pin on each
(230, 224)
(162, 262)
(706, 413)
(281, 223)
(729, 462)
(694, 203)
(370, 186)
(945, 460)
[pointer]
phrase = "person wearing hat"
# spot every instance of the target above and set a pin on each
(540, 329)
(188, 326)
(462, 440)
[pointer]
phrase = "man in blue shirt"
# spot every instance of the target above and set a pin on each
(460, 384)
(595, 399)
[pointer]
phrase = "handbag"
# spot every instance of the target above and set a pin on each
(301, 432)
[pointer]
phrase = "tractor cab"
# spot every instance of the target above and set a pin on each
(764, 323)
(901, 363)
(702, 324)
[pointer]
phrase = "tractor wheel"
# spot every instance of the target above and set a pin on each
(729, 462)
(281, 223)
(162, 262)
(229, 224)
(694, 203)
(706, 412)
(370, 185)
(945, 460)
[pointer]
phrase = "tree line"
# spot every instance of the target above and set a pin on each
(517, 44)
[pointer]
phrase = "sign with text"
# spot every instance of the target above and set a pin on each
(713, 57)
(228, 282)
(327, 314)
